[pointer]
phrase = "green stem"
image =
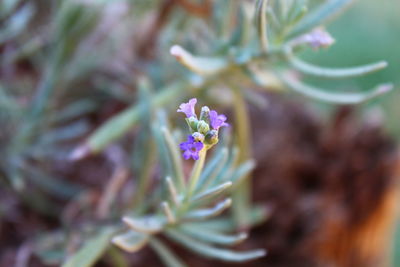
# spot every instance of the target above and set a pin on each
(241, 196)
(195, 175)
(144, 179)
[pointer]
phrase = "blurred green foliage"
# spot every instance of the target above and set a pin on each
(367, 32)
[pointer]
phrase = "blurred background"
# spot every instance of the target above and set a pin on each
(368, 32)
(66, 68)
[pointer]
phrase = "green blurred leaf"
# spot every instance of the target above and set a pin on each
(16, 23)
(92, 249)
(213, 252)
(131, 241)
(212, 236)
(335, 73)
(202, 214)
(321, 15)
(166, 255)
(336, 97)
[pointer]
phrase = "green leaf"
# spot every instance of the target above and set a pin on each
(261, 24)
(92, 250)
(7, 6)
(335, 73)
(212, 236)
(168, 212)
(213, 252)
(321, 15)
(166, 255)
(131, 241)
(17, 23)
(242, 172)
(228, 167)
(200, 65)
(147, 224)
(202, 214)
(336, 97)
(212, 192)
(172, 191)
(124, 121)
(212, 168)
(175, 157)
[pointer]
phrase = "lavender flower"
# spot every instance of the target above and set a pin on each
(188, 108)
(204, 131)
(316, 39)
(191, 148)
(216, 120)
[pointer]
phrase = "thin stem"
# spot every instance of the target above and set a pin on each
(241, 196)
(196, 171)
(144, 179)
(262, 24)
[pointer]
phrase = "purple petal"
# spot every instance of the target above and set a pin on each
(217, 120)
(190, 139)
(191, 148)
(187, 154)
(183, 146)
(198, 146)
(195, 155)
(188, 108)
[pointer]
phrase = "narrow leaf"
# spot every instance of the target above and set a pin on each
(321, 15)
(148, 225)
(124, 121)
(172, 191)
(213, 252)
(168, 212)
(175, 157)
(337, 97)
(131, 241)
(200, 65)
(211, 236)
(17, 23)
(261, 24)
(91, 251)
(242, 172)
(166, 255)
(335, 73)
(212, 192)
(227, 169)
(202, 214)
(212, 168)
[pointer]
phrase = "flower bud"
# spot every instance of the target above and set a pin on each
(192, 122)
(203, 127)
(198, 137)
(211, 137)
(205, 114)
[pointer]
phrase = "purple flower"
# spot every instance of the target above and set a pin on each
(318, 38)
(217, 120)
(191, 148)
(188, 108)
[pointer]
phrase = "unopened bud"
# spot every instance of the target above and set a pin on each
(198, 137)
(205, 114)
(211, 137)
(192, 122)
(203, 127)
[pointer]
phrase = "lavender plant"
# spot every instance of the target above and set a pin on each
(185, 215)
(260, 50)
(249, 44)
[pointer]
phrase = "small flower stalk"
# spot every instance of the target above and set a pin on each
(204, 129)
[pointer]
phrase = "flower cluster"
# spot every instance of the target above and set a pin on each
(204, 129)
